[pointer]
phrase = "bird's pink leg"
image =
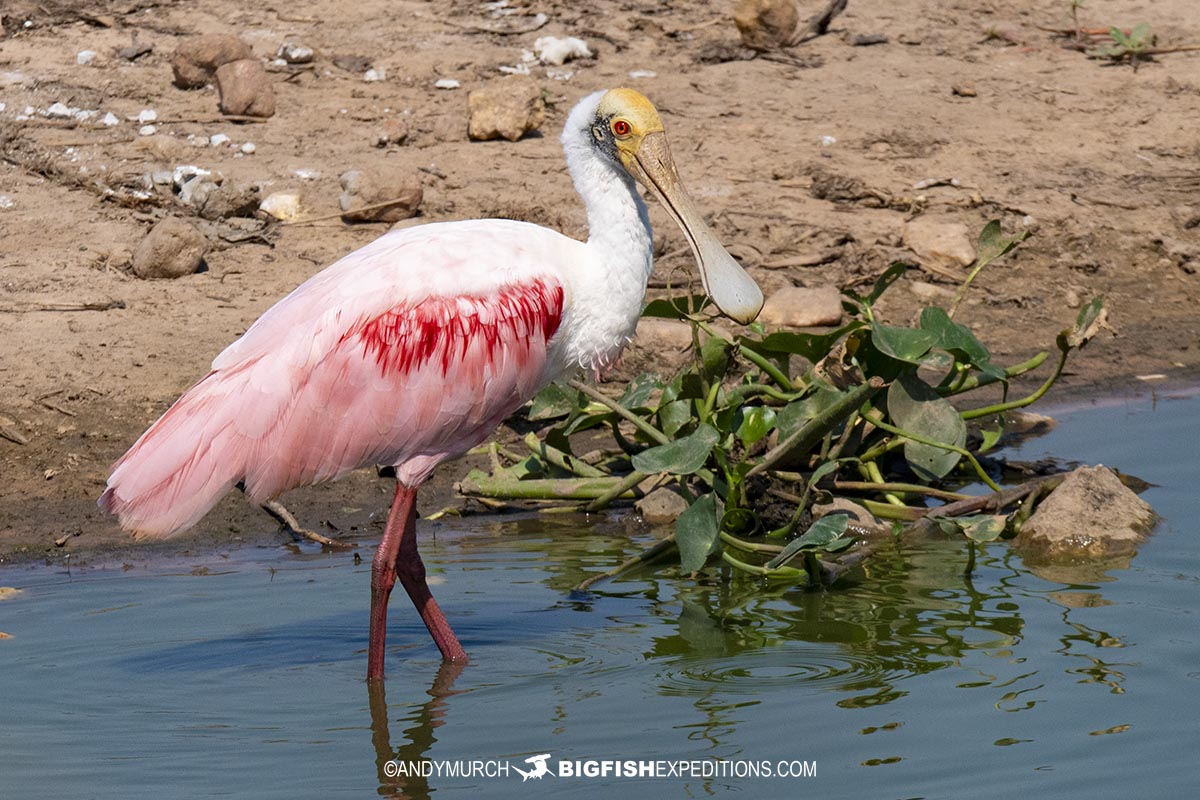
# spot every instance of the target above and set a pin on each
(397, 557)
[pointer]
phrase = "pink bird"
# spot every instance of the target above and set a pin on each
(411, 350)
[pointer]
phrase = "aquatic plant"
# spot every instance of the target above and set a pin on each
(762, 425)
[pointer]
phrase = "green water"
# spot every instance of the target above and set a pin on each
(245, 679)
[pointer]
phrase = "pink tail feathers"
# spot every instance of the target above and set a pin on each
(180, 468)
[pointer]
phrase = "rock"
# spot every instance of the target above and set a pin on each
(557, 51)
(508, 109)
(1090, 515)
(195, 61)
(173, 248)
(283, 206)
(766, 24)
(294, 53)
(662, 506)
(964, 89)
(942, 243)
(245, 89)
(85, 58)
(393, 131)
(220, 201)
(800, 307)
(400, 189)
(930, 293)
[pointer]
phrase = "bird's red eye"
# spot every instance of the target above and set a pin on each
(621, 128)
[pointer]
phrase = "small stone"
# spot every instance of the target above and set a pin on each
(294, 53)
(172, 249)
(214, 201)
(943, 243)
(557, 50)
(110, 119)
(248, 147)
(446, 83)
(800, 307)
(60, 111)
(508, 109)
(662, 506)
(6, 202)
(394, 131)
(196, 60)
(766, 24)
(245, 89)
(147, 130)
(218, 139)
(375, 75)
(930, 293)
(964, 89)
(284, 206)
(400, 189)
(85, 58)
(1092, 514)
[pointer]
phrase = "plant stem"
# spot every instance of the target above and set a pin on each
(976, 413)
(620, 410)
(560, 459)
(812, 432)
(889, 511)
(790, 573)
(485, 486)
(976, 381)
(876, 477)
(618, 490)
(953, 448)
(753, 547)
(914, 488)
(648, 554)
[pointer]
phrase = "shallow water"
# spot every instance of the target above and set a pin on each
(242, 675)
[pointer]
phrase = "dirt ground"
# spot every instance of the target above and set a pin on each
(1101, 162)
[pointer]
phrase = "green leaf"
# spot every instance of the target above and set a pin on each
(889, 276)
(714, 356)
(756, 422)
(976, 527)
(674, 415)
(797, 413)
(680, 457)
(676, 307)
(812, 346)
(959, 340)
(989, 439)
(903, 344)
(552, 402)
(638, 392)
(696, 532)
(822, 533)
(993, 243)
(916, 407)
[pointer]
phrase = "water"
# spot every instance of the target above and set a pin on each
(241, 675)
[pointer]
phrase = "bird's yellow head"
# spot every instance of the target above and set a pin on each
(628, 127)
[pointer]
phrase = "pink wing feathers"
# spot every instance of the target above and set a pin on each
(406, 352)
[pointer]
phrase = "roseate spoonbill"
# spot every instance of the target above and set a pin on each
(411, 350)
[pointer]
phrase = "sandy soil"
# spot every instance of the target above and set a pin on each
(1101, 162)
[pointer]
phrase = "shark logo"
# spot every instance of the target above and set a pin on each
(539, 768)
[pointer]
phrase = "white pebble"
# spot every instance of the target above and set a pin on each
(828, 141)
(643, 73)
(85, 58)
(218, 139)
(447, 83)
(147, 130)
(375, 75)
(60, 111)
(557, 51)
(294, 53)
(3, 106)
(306, 174)
(282, 205)
(6, 202)
(111, 119)
(248, 148)
(147, 115)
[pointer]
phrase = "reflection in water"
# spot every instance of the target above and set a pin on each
(418, 737)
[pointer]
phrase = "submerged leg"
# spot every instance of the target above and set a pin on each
(397, 557)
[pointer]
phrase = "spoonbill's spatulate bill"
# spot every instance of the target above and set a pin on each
(413, 349)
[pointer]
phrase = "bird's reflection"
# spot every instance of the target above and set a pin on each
(418, 738)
